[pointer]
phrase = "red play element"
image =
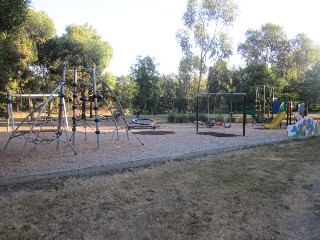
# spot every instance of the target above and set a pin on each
(218, 123)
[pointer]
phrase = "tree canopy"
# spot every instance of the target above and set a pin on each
(31, 55)
(204, 37)
(146, 77)
(13, 13)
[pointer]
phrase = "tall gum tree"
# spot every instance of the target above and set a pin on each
(268, 45)
(144, 73)
(304, 55)
(204, 37)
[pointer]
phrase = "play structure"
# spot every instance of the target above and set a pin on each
(230, 108)
(303, 127)
(144, 122)
(282, 112)
(265, 96)
(286, 111)
(34, 126)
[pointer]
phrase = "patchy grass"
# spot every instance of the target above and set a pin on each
(269, 192)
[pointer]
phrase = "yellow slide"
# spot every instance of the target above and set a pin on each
(275, 122)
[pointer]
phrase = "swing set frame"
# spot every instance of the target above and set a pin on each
(208, 94)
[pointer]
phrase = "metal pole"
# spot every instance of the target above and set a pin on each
(41, 109)
(244, 115)
(61, 97)
(95, 100)
(65, 114)
(10, 113)
(264, 99)
(197, 114)
(208, 109)
(74, 107)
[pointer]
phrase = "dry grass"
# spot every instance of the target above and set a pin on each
(269, 192)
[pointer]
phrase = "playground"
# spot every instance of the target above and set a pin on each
(95, 134)
(126, 148)
(227, 181)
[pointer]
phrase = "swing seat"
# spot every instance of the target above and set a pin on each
(210, 123)
(218, 123)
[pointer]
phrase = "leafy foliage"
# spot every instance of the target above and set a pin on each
(203, 37)
(12, 14)
(145, 75)
(83, 47)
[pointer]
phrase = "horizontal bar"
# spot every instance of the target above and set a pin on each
(219, 94)
(34, 95)
(79, 70)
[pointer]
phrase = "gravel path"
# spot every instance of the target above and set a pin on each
(167, 140)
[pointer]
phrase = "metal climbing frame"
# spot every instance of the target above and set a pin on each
(96, 94)
(74, 107)
(62, 110)
(118, 106)
(40, 109)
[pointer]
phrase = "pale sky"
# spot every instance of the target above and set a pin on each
(148, 27)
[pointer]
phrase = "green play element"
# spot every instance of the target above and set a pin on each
(85, 70)
(283, 107)
(251, 112)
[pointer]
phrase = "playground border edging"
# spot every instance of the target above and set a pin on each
(126, 165)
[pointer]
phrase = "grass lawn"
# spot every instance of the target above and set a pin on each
(268, 192)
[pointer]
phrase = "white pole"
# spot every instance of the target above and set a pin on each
(61, 101)
(65, 114)
(10, 113)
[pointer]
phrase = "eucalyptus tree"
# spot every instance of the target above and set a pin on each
(313, 80)
(40, 29)
(308, 91)
(253, 75)
(20, 50)
(204, 36)
(126, 89)
(304, 55)
(145, 75)
(268, 45)
(167, 92)
(187, 85)
(220, 77)
(83, 47)
(13, 14)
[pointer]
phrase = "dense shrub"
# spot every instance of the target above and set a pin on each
(171, 118)
(219, 118)
(178, 118)
(181, 118)
(3, 111)
(185, 118)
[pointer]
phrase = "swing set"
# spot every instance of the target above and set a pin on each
(225, 124)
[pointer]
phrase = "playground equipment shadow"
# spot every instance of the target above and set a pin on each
(176, 141)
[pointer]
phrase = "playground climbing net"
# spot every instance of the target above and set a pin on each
(43, 130)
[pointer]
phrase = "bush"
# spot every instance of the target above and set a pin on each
(191, 118)
(203, 117)
(219, 118)
(178, 118)
(171, 118)
(181, 118)
(3, 111)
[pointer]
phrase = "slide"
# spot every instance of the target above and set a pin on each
(275, 122)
